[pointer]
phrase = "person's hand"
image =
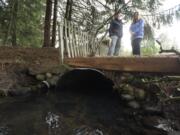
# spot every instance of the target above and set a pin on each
(132, 33)
(120, 16)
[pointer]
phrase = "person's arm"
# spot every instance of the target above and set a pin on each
(141, 27)
(110, 29)
(131, 30)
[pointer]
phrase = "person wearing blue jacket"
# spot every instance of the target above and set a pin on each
(115, 33)
(137, 33)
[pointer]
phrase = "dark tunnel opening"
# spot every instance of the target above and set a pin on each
(86, 81)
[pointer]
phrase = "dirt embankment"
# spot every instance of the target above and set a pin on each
(15, 62)
(33, 57)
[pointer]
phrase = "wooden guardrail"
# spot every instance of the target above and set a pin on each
(73, 42)
(156, 64)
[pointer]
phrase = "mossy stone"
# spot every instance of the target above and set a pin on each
(40, 77)
(48, 75)
(140, 94)
(128, 89)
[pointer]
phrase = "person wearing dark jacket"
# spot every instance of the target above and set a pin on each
(115, 33)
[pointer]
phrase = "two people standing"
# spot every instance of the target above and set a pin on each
(116, 33)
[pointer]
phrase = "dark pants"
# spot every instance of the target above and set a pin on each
(136, 46)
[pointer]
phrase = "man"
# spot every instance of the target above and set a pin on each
(137, 33)
(115, 33)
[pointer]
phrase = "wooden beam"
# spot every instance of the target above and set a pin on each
(129, 64)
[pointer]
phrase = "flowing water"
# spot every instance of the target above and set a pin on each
(71, 113)
(59, 114)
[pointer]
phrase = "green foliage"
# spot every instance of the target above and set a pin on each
(165, 17)
(148, 32)
(28, 22)
(149, 47)
(177, 13)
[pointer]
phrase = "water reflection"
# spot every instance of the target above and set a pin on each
(71, 113)
(4, 130)
(64, 113)
(54, 123)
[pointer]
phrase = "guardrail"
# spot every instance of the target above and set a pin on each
(73, 42)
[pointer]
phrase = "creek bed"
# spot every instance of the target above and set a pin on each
(74, 113)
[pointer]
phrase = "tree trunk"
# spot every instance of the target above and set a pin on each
(68, 17)
(68, 13)
(54, 24)
(47, 27)
(14, 25)
(11, 30)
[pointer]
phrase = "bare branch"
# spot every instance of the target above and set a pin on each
(167, 51)
(105, 6)
(1, 1)
(107, 20)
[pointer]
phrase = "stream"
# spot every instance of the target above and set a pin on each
(75, 109)
(62, 113)
(72, 113)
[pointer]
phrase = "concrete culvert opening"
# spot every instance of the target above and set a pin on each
(85, 81)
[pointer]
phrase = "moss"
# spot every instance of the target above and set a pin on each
(2, 94)
(40, 77)
(128, 89)
(139, 94)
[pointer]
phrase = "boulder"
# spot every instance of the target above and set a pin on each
(139, 94)
(40, 77)
(127, 97)
(60, 69)
(128, 89)
(19, 91)
(2, 93)
(118, 88)
(134, 104)
(153, 110)
(126, 77)
(48, 75)
(53, 80)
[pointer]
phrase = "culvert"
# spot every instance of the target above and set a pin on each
(84, 80)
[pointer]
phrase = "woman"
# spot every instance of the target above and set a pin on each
(137, 33)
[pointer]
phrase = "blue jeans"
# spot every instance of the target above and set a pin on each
(115, 46)
(136, 46)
